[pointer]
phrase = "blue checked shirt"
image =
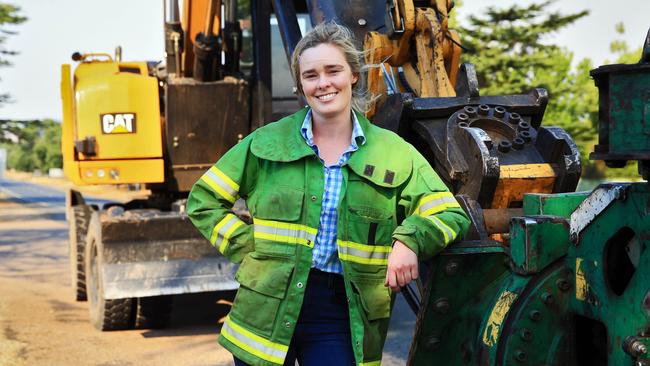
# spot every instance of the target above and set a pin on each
(325, 256)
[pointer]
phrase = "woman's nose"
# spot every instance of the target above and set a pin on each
(323, 82)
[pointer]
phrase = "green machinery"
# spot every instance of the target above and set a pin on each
(572, 287)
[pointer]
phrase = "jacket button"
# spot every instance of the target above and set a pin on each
(287, 324)
(314, 198)
(299, 285)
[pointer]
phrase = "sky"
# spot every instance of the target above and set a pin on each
(56, 29)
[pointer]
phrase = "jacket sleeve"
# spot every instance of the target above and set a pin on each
(433, 216)
(209, 205)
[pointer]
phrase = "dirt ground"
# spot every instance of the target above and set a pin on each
(41, 324)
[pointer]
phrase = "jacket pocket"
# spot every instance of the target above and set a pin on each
(369, 225)
(375, 298)
(263, 283)
(279, 203)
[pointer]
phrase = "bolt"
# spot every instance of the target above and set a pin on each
(451, 268)
(518, 143)
(514, 118)
(521, 356)
(462, 117)
(634, 347)
(563, 284)
(362, 22)
(548, 298)
(526, 334)
(463, 125)
(535, 315)
(471, 111)
(523, 126)
(433, 343)
(526, 135)
(499, 112)
(442, 305)
(483, 109)
(504, 146)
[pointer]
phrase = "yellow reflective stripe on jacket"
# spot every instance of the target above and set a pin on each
(370, 363)
(223, 231)
(363, 253)
(221, 184)
(436, 202)
(252, 343)
(447, 232)
(284, 232)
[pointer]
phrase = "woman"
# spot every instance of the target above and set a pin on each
(327, 191)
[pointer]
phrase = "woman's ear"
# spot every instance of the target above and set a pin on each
(355, 78)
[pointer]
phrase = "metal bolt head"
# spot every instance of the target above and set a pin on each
(483, 109)
(526, 334)
(462, 117)
(451, 268)
(470, 111)
(535, 315)
(362, 22)
(521, 355)
(499, 112)
(442, 305)
(563, 284)
(548, 298)
(514, 118)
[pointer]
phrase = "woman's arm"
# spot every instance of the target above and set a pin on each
(209, 205)
(434, 219)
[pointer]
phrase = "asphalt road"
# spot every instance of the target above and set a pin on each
(45, 202)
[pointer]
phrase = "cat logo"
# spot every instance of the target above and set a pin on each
(113, 123)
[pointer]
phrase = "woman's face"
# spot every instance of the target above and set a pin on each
(326, 80)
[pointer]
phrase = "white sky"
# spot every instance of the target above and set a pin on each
(56, 29)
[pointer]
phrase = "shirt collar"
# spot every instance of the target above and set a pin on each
(357, 132)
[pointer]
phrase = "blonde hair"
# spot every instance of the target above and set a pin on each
(341, 37)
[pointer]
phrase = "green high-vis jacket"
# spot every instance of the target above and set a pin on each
(389, 193)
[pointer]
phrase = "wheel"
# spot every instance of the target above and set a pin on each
(104, 314)
(153, 312)
(79, 217)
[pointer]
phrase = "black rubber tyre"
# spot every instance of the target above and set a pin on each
(79, 217)
(104, 314)
(153, 312)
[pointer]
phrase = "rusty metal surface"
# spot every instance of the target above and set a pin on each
(148, 252)
(595, 204)
(180, 276)
(203, 121)
(498, 220)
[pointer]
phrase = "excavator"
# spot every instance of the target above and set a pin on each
(545, 276)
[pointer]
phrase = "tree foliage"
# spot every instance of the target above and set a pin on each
(9, 16)
(32, 145)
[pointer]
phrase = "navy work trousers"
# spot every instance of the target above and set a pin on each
(322, 335)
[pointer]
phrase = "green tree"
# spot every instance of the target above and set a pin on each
(32, 145)
(9, 16)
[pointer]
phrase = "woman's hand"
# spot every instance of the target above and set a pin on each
(402, 266)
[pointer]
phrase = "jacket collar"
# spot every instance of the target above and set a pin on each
(281, 141)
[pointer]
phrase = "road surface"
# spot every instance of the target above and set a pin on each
(40, 323)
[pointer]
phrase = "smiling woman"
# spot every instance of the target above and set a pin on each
(342, 210)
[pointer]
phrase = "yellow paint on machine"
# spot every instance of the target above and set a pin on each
(581, 281)
(516, 179)
(499, 312)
